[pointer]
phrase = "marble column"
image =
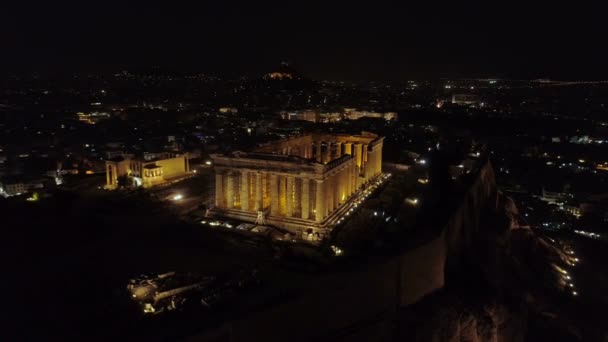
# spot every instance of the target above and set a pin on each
(327, 154)
(344, 185)
(229, 191)
(318, 152)
(245, 190)
(320, 201)
(289, 196)
(379, 156)
(348, 148)
(329, 193)
(358, 154)
(337, 194)
(305, 198)
(219, 190)
(348, 180)
(258, 192)
(274, 194)
(355, 179)
(338, 149)
(375, 161)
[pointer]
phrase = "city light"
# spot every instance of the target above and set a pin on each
(33, 198)
(177, 197)
(337, 251)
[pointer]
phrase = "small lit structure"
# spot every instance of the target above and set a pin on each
(146, 172)
(412, 201)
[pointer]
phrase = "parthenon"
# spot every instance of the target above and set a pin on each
(299, 183)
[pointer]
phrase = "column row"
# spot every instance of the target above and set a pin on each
(333, 150)
(287, 196)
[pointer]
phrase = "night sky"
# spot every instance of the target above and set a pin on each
(373, 40)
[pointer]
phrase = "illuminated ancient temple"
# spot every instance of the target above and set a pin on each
(300, 184)
(147, 171)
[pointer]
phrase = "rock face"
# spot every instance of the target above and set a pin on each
(499, 275)
(460, 322)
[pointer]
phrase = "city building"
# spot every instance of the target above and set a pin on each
(314, 115)
(92, 118)
(354, 114)
(300, 184)
(303, 115)
(553, 196)
(14, 186)
(148, 171)
(465, 99)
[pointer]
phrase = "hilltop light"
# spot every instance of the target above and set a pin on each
(412, 201)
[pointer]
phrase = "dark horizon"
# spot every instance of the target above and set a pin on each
(334, 41)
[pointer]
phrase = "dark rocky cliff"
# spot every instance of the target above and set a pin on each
(500, 282)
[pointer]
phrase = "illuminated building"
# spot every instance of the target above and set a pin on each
(228, 110)
(146, 172)
(552, 196)
(92, 118)
(464, 99)
(284, 72)
(304, 115)
(14, 187)
(300, 184)
(328, 117)
(354, 114)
